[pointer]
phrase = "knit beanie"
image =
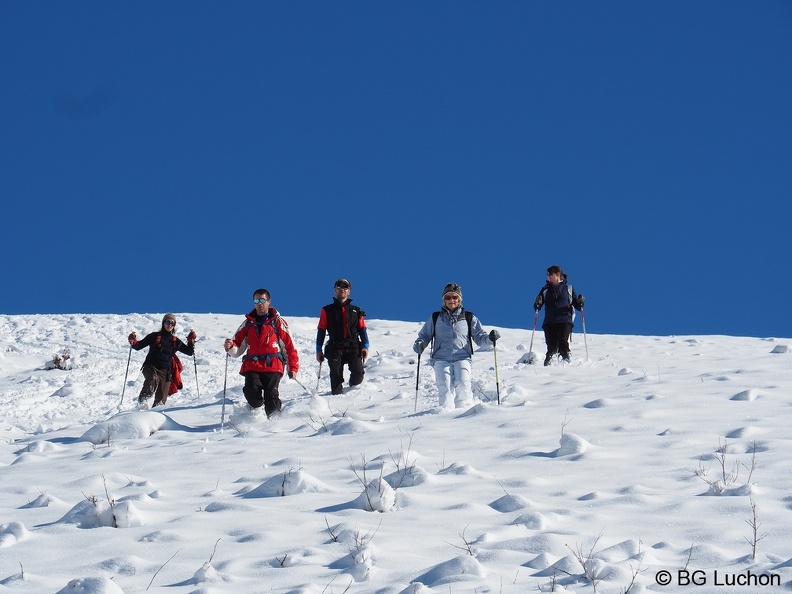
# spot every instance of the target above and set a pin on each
(452, 288)
(168, 316)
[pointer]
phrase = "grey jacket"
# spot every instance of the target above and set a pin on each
(451, 336)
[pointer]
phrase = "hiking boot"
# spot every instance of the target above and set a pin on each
(338, 390)
(547, 360)
(274, 409)
(253, 411)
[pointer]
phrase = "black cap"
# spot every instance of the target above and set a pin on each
(342, 283)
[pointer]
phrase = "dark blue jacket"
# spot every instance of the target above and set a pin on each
(558, 303)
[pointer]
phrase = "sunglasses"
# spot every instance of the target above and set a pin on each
(342, 287)
(260, 300)
(168, 323)
(450, 297)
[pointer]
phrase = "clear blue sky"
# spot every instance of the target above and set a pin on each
(174, 156)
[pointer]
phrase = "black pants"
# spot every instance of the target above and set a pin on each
(262, 388)
(336, 359)
(557, 339)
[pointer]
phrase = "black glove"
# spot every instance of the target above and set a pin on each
(494, 335)
(192, 336)
(538, 302)
(419, 347)
(579, 302)
(292, 375)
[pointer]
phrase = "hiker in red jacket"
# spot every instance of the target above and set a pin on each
(162, 368)
(268, 349)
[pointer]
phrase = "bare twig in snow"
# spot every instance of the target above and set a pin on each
(160, 569)
(214, 550)
(755, 525)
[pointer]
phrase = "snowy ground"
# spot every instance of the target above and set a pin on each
(655, 454)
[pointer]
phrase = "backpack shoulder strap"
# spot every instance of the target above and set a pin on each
(435, 315)
(469, 318)
(278, 324)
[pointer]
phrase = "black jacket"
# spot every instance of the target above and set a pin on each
(162, 346)
(344, 333)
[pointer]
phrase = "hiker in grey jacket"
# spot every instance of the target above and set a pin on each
(452, 332)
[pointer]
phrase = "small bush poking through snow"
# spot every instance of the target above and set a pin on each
(63, 361)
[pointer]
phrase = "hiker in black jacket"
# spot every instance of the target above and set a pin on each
(162, 368)
(348, 343)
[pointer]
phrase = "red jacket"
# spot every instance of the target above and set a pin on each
(265, 340)
(176, 382)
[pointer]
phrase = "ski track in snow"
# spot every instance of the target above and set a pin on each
(644, 457)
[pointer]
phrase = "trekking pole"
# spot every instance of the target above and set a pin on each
(125, 378)
(585, 342)
(225, 381)
(417, 377)
(299, 383)
(195, 365)
(530, 348)
(319, 374)
(497, 381)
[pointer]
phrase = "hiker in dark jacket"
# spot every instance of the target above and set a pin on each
(452, 332)
(269, 352)
(560, 301)
(162, 368)
(348, 343)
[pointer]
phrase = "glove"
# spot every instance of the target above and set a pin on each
(419, 347)
(494, 335)
(579, 301)
(192, 336)
(132, 338)
(320, 356)
(538, 303)
(292, 375)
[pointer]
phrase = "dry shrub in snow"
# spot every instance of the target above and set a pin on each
(63, 361)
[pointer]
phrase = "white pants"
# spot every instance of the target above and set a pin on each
(453, 383)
